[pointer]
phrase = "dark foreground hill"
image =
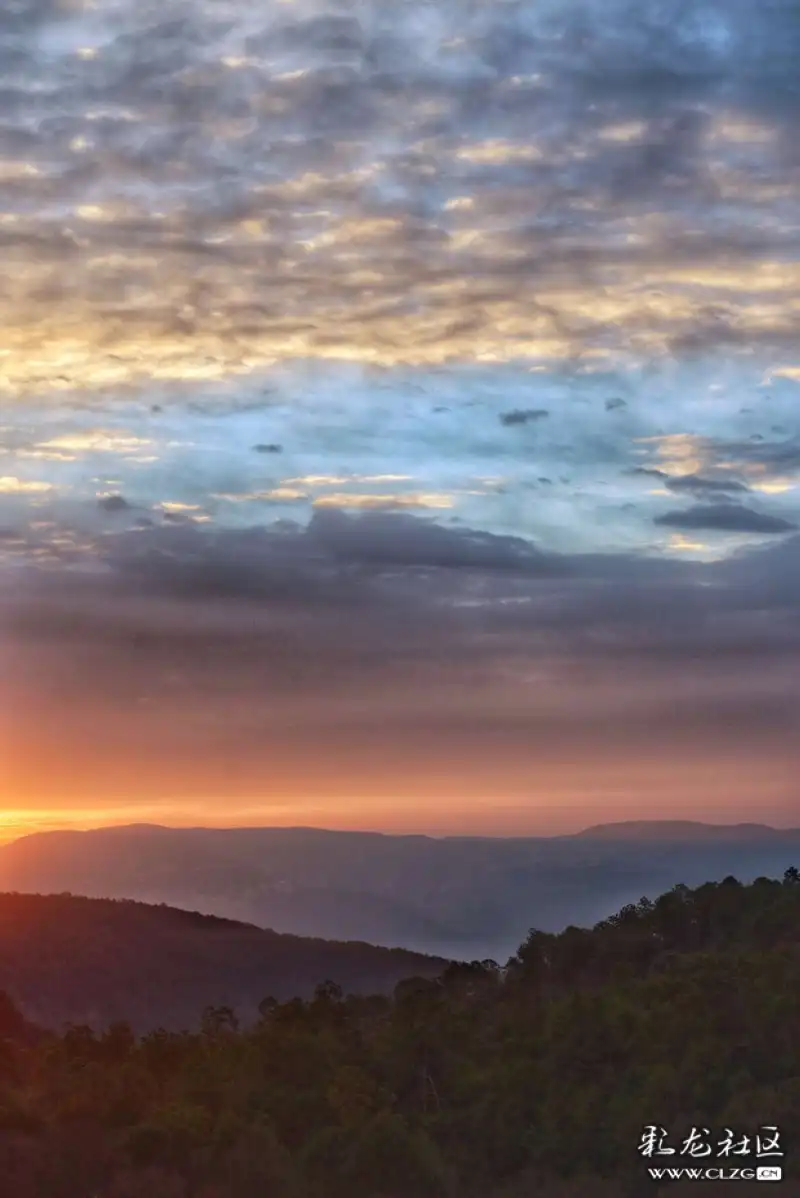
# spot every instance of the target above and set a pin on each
(540, 1079)
(94, 961)
(463, 897)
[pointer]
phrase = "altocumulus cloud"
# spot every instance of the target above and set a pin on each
(194, 190)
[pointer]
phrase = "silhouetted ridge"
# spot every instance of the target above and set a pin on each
(66, 958)
(680, 830)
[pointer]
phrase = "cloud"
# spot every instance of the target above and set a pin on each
(18, 486)
(758, 458)
(276, 495)
(523, 416)
(98, 441)
(648, 472)
(356, 623)
(725, 517)
(388, 540)
(385, 502)
(724, 459)
(697, 485)
(113, 503)
(384, 200)
(385, 657)
(387, 559)
(386, 237)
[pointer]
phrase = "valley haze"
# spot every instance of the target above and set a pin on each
(456, 897)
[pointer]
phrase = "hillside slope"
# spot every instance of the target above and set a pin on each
(94, 961)
(539, 1079)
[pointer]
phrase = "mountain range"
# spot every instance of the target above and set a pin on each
(455, 897)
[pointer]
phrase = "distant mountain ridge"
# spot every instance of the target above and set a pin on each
(464, 897)
(622, 829)
(680, 829)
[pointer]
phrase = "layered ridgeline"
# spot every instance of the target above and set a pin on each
(462, 897)
(483, 1082)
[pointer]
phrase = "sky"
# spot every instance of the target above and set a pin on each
(399, 413)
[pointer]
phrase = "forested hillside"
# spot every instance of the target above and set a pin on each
(536, 1079)
(64, 958)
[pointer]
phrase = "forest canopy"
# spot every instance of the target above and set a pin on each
(487, 1081)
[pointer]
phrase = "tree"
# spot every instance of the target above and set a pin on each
(389, 1160)
(217, 1021)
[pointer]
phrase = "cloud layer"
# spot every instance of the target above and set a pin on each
(379, 658)
(191, 190)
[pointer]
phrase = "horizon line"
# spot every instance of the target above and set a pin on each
(610, 825)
